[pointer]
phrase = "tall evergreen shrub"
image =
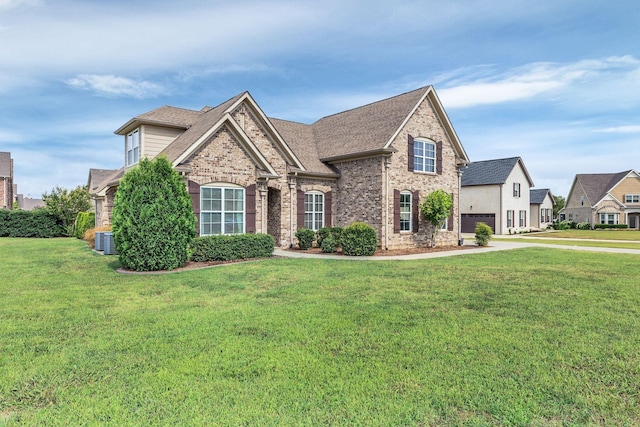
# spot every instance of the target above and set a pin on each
(153, 221)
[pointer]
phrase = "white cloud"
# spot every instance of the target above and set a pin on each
(532, 80)
(12, 4)
(620, 129)
(110, 85)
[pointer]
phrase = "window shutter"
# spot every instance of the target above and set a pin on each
(450, 224)
(327, 209)
(415, 211)
(396, 211)
(250, 209)
(410, 154)
(300, 209)
(194, 192)
(439, 157)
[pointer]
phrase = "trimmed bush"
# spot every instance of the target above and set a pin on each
(37, 223)
(153, 221)
(330, 244)
(359, 239)
(322, 233)
(613, 226)
(305, 238)
(84, 221)
(227, 248)
(483, 234)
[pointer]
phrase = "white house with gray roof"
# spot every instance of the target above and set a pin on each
(496, 192)
(248, 173)
(542, 202)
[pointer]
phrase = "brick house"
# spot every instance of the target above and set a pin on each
(248, 173)
(605, 198)
(496, 192)
(6, 181)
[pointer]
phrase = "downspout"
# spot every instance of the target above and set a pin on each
(387, 164)
(458, 213)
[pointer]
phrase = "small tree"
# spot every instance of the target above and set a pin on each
(435, 209)
(559, 205)
(153, 220)
(483, 234)
(65, 205)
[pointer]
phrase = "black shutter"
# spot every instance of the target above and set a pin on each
(327, 209)
(415, 210)
(450, 225)
(396, 211)
(251, 209)
(410, 154)
(194, 192)
(300, 209)
(439, 157)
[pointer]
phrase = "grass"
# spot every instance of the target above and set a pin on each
(525, 337)
(630, 235)
(572, 242)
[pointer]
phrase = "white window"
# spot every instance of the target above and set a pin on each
(581, 200)
(424, 156)
(510, 215)
(221, 210)
(313, 210)
(608, 218)
(405, 211)
(632, 198)
(133, 147)
(523, 218)
(516, 189)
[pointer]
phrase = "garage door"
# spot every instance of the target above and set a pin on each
(469, 221)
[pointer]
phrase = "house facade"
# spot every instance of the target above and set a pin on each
(6, 181)
(542, 202)
(496, 192)
(248, 173)
(608, 198)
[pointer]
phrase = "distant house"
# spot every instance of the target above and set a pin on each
(497, 193)
(248, 173)
(6, 181)
(542, 203)
(98, 177)
(605, 198)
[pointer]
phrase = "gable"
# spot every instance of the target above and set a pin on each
(630, 184)
(493, 172)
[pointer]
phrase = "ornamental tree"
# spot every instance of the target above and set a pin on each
(153, 220)
(435, 209)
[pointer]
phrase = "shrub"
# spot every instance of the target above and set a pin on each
(359, 239)
(560, 225)
(90, 235)
(65, 205)
(305, 238)
(84, 221)
(483, 234)
(322, 233)
(153, 220)
(583, 226)
(37, 223)
(613, 226)
(329, 244)
(227, 248)
(337, 233)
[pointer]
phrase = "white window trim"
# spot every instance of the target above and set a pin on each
(222, 187)
(313, 212)
(410, 229)
(132, 146)
(629, 198)
(424, 157)
(604, 218)
(516, 190)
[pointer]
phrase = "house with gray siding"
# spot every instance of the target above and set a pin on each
(542, 202)
(249, 173)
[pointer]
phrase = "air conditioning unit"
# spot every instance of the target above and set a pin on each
(99, 240)
(109, 244)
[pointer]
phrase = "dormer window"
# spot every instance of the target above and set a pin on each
(132, 143)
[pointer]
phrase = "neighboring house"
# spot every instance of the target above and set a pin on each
(248, 173)
(542, 203)
(496, 192)
(6, 181)
(606, 198)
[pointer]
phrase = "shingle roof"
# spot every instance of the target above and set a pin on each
(204, 123)
(596, 185)
(98, 176)
(489, 172)
(537, 196)
(5, 164)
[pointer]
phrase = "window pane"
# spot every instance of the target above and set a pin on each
(429, 150)
(429, 165)
(418, 164)
(418, 148)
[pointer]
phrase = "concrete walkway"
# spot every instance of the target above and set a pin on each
(493, 246)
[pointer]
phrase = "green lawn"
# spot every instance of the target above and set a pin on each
(538, 337)
(631, 235)
(572, 242)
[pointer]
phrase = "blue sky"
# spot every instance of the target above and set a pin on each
(556, 82)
